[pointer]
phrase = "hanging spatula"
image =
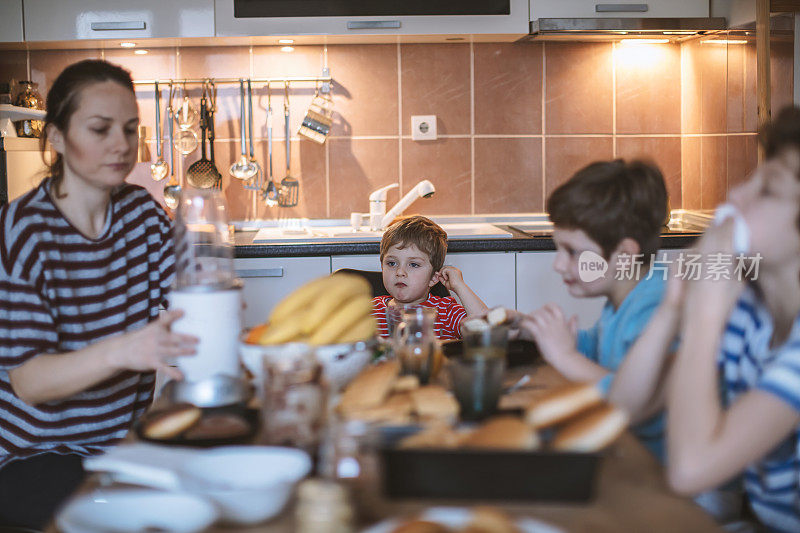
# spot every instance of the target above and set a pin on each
(289, 193)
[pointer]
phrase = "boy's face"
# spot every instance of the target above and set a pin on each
(570, 244)
(407, 274)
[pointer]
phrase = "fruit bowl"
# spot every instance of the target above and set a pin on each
(340, 362)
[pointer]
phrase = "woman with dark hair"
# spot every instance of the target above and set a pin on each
(85, 264)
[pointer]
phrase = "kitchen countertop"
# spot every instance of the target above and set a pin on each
(520, 242)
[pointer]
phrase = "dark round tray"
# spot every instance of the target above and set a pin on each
(249, 415)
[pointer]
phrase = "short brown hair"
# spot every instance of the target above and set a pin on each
(611, 201)
(420, 231)
(782, 132)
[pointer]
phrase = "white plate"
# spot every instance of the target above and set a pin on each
(456, 517)
(135, 510)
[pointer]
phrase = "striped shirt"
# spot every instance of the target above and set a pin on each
(449, 316)
(61, 291)
(747, 362)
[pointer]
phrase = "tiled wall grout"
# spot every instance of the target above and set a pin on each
(400, 118)
(544, 124)
(614, 100)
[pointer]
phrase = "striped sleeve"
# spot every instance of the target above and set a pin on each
(451, 315)
(26, 325)
(782, 377)
(379, 312)
(166, 262)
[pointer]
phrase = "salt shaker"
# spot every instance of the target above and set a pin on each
(323, 507)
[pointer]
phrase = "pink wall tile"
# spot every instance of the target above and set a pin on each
(566, 155)
(446, 163)
(781, 74)
(435, 81)
(14, 64)
(741, 101)
(713, 81)
(508, 100)
(714, 170)
(46, 65)
(270, 62)
(648, 88)
(742, 158)
(365, 94)
(691, 172)
(357, 167)
(578, 88)
(664, 152)
(691, 87)
(508, 175)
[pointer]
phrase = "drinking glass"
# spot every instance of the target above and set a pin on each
(416, 343)
(477, 382)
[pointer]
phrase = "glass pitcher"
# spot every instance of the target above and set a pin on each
(416, 343)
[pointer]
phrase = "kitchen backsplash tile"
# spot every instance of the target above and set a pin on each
(566, 155)
(501, 107)
(435, 80)
(578, 88)
(508, 175)
(446, 163)
(664, 152)
(508, 101)
(648, 98)
(358, 166)
(365, 93)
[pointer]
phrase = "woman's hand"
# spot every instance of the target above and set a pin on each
(152, 347)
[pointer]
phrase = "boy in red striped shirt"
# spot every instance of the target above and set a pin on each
(412, 261)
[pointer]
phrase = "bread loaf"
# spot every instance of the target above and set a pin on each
(561, 404)
(171, 422)
(503, 432)
(434, 402)
(592, 431)
(370, 387)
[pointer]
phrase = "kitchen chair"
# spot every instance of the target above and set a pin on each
(375, 279)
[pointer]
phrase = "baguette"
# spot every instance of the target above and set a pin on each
(503, 432)
(561, 404)
(593, 431)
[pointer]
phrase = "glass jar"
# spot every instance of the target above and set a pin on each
(28, 96)
(415, 342)
(323, 506)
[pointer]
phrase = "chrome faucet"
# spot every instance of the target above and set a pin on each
(379, 218)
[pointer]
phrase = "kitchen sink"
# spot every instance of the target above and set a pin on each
(476, 230)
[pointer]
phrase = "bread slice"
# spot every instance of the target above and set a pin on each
(503, 432)
(396, 409)
(434, 402)
(171, 422)
(497, 316)
(370, 387)
(592, 431)
(561, 404)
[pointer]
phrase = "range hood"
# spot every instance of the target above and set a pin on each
(616, 28)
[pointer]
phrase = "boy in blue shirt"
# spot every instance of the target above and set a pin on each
(608, 214)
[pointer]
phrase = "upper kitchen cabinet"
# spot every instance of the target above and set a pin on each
(568, 9)
(56, 20)
(11, 21)
(356, 19)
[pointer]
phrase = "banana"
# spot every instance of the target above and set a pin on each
(284, 331)
(300, 298)
(343, 318)
(341, 288)
(361, 330)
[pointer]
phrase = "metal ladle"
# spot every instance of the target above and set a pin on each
(172, 190)
(243, 168)
(160, 168)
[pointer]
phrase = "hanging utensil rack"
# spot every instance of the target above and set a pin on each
(325, 80)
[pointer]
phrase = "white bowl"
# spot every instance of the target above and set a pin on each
(136, 510)
(340, 362)
(249, 484)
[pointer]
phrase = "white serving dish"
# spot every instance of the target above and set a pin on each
(136, 510)
(458, 518)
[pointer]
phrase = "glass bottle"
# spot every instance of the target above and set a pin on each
(416, 343)
(29, 97)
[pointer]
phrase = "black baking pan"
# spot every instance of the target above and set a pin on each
(512, 475)
(250, 416)
(520, 352)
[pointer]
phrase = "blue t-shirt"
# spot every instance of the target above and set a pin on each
(746, 361)
(608, 341)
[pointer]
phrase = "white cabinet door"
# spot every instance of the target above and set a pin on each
(309, 23)
(538, 284)
(57, 20)
(489, 274)
(268, 280)
(540, 9)
(11, 21)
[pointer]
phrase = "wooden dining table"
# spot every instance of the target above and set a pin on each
(631, 493)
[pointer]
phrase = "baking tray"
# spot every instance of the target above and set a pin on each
(251, 416)
(464, 474)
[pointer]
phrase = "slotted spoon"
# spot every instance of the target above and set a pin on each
(289, 193)
(202, 173)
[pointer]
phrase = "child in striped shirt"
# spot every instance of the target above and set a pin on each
(412, 261)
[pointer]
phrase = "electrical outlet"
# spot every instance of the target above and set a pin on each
(423, 127)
